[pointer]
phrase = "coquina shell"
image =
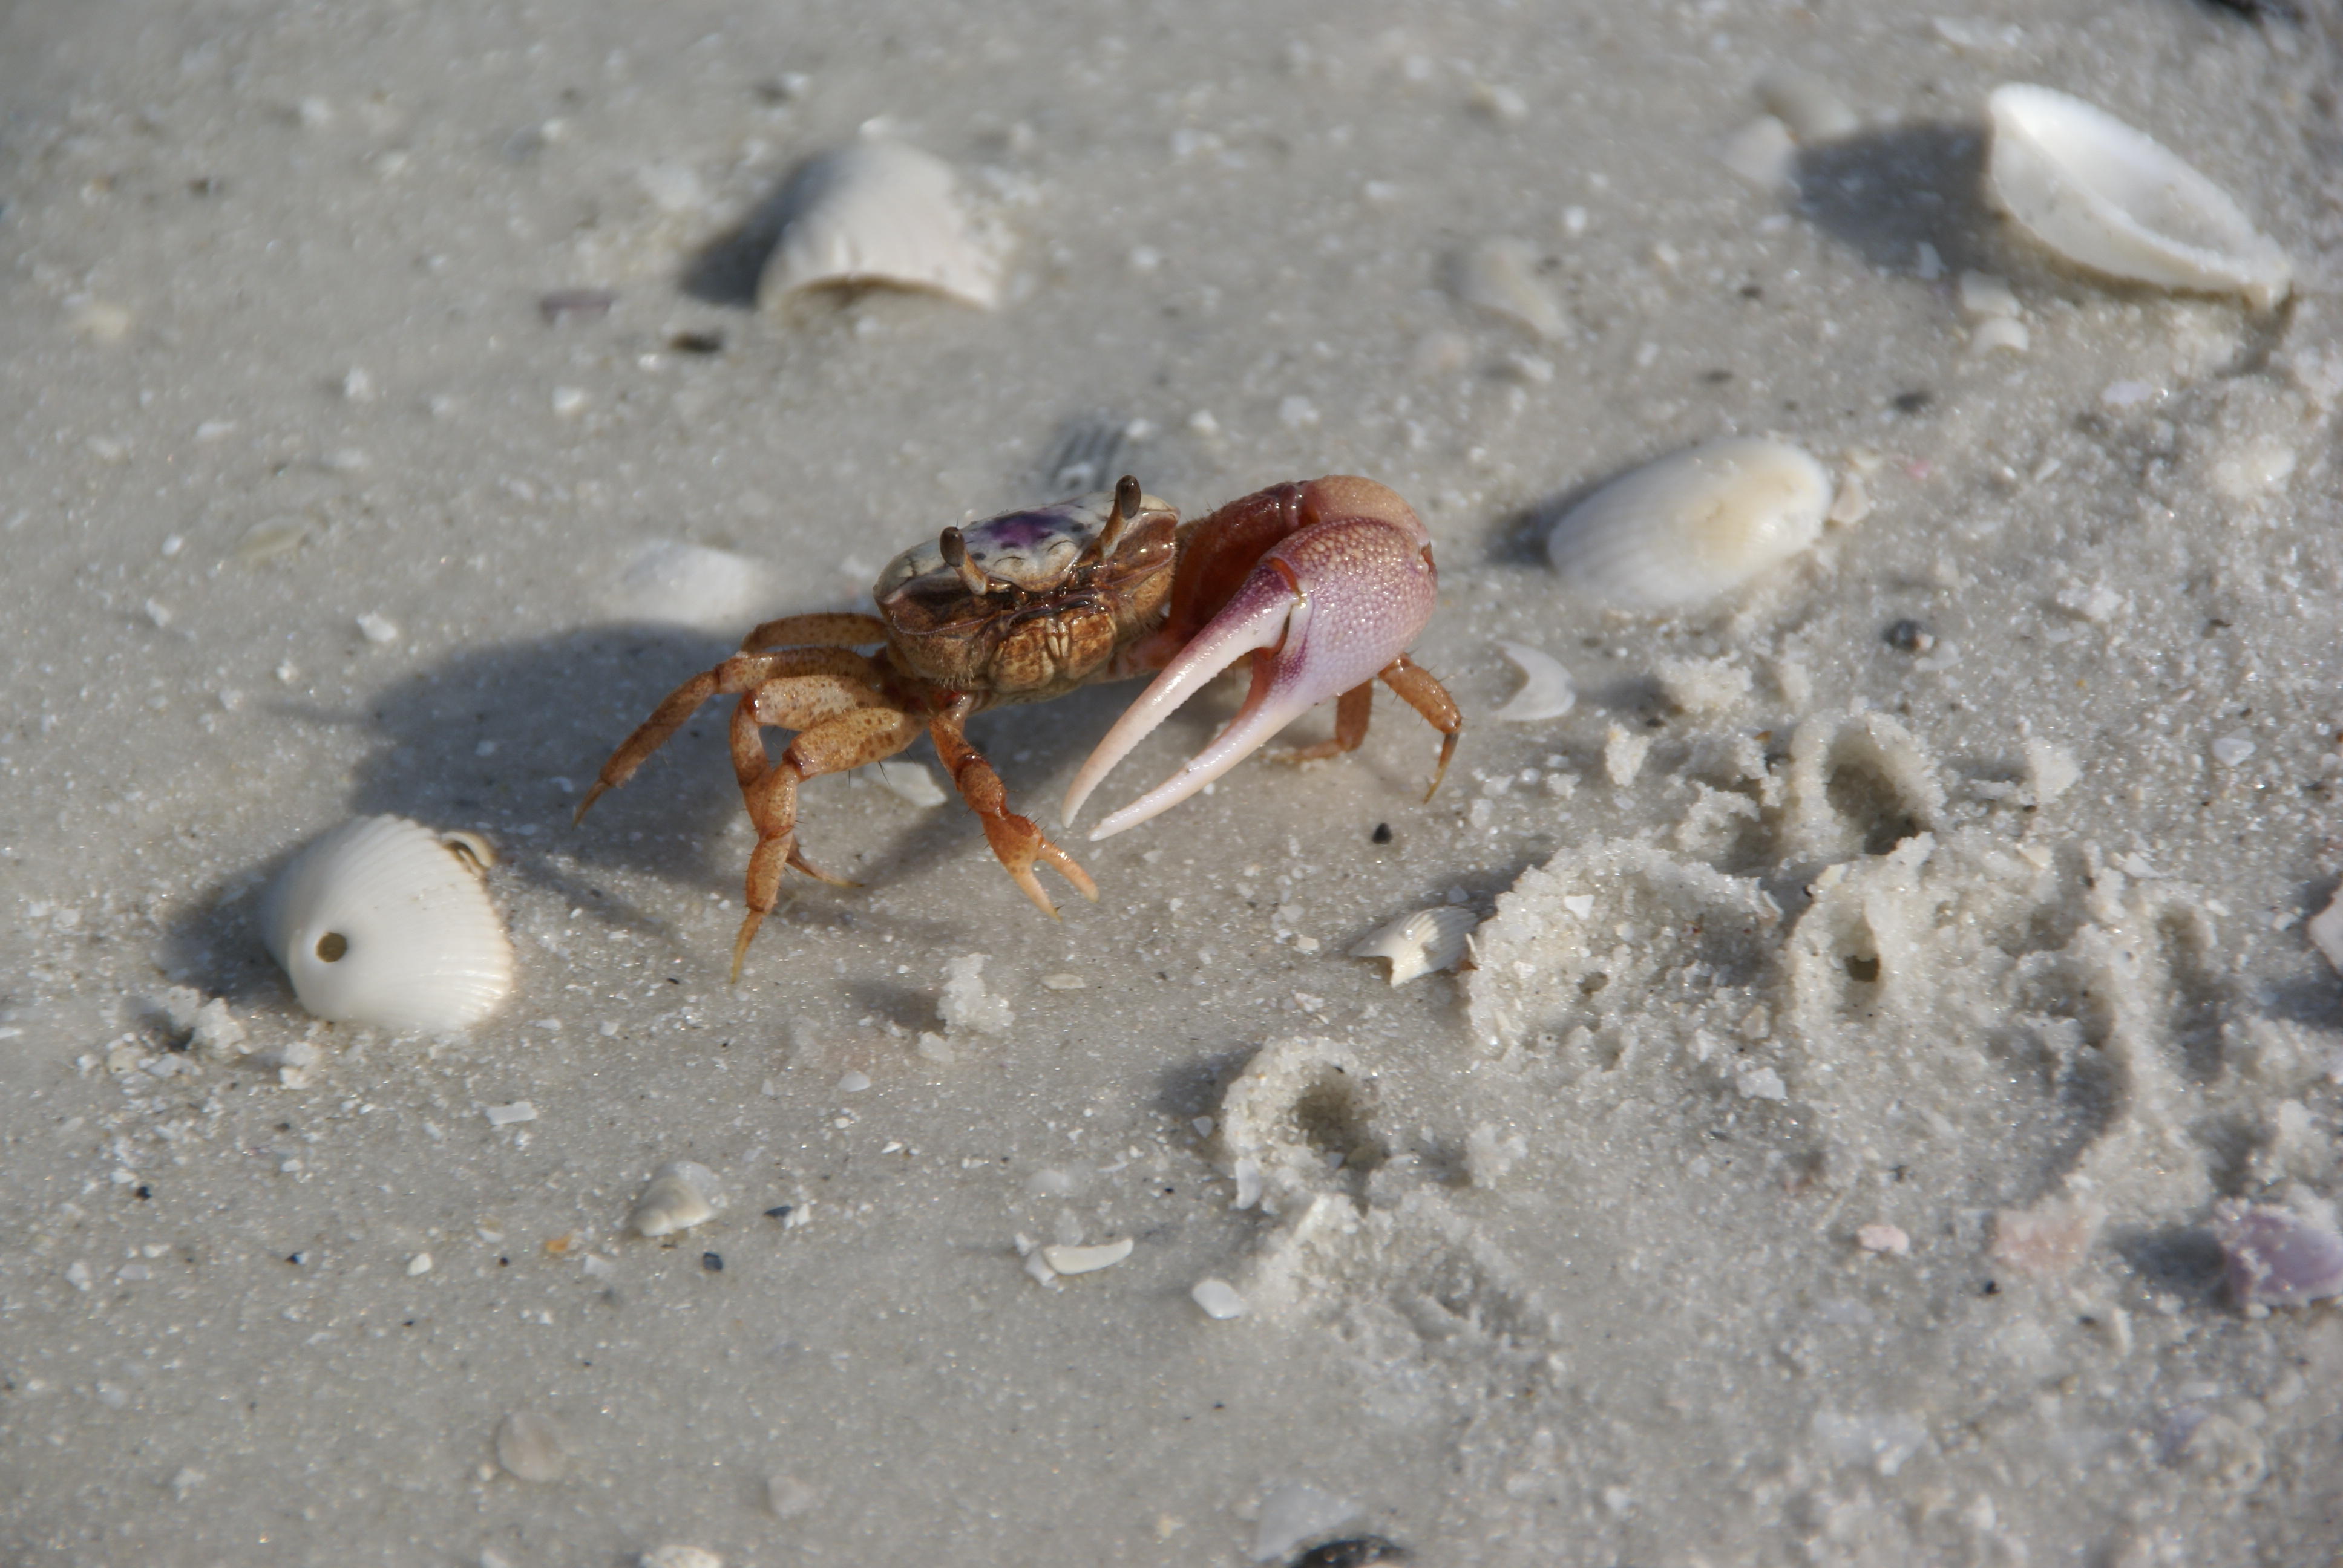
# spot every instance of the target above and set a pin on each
(1421, 944)
(880, 212)
(1688, 526)
(2114, 200)
(383, 922)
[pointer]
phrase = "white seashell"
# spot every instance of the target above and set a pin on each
(678, 1197)
(679, 1557)
(1419, 943)
(880, 212)
(1805, 103)
(1851, 504)
(691, 585)
(1999, 332)
(1070, 1260)
(383, 922)
(1683, 528)
(1218, 1299)
(1762, 152)
(1547, 692)
(912, 781)
(1500, 276)
(1983, 295)
(2326, 930)
(2112, 199)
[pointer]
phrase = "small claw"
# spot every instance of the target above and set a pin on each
(1322, 613)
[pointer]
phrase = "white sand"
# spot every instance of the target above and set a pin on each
(308, 512)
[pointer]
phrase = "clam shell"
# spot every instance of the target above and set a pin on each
(383, 922)
(1419, 943)
(880, 212)
(2112, 199)
(678, 1195)
(1688, 526)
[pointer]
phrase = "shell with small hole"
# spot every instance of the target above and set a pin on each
(1421, 942)
(1684, 528)
(382, 921)
(2109, 197)
(880, 212)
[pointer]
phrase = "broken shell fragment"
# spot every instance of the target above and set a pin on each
(690, 585)
(1686, 527)
(1065, 1259)
(383, 922)
(1546, 690)
(1419, 943)
(1500, 276)
(880, 212)
(1807, 104)
(2114, 200)
(2277, 1259)
(678, 1197)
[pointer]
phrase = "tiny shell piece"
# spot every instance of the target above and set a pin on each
(1419, 943)
(914, 782)
(1889, 1238)
(2276, 1257)
(1218, 1299)
(678, 1197)
(1684, 528)
(2047, 1240)
(1984, 294)
(1546, 690)
(1499, 275)
(2326, 930)
(2000, 332)
(1065, 1259)
(880, 212)
(530, 1447)
(789, 1497)
(2111, 198)
(381, 922)
(1762, 152)
(679, 1557)
(1805, 103)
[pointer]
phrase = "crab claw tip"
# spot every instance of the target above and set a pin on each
(1322, 613)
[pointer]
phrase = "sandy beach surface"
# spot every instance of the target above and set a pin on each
(1879, 976)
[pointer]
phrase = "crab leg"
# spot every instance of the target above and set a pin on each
(1016, 842)
(742, 672)
(1327, 610)
(833, 745)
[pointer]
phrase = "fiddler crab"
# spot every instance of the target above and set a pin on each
(1322, 583)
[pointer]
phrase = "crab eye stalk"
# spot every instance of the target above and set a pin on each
(955, 553)
(1126, 507)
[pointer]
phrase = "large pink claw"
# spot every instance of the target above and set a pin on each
(1324, 611)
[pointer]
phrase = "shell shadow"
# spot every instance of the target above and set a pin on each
(1885, 193)
(725, 269)
(2184, 1260)
(1518, 538)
